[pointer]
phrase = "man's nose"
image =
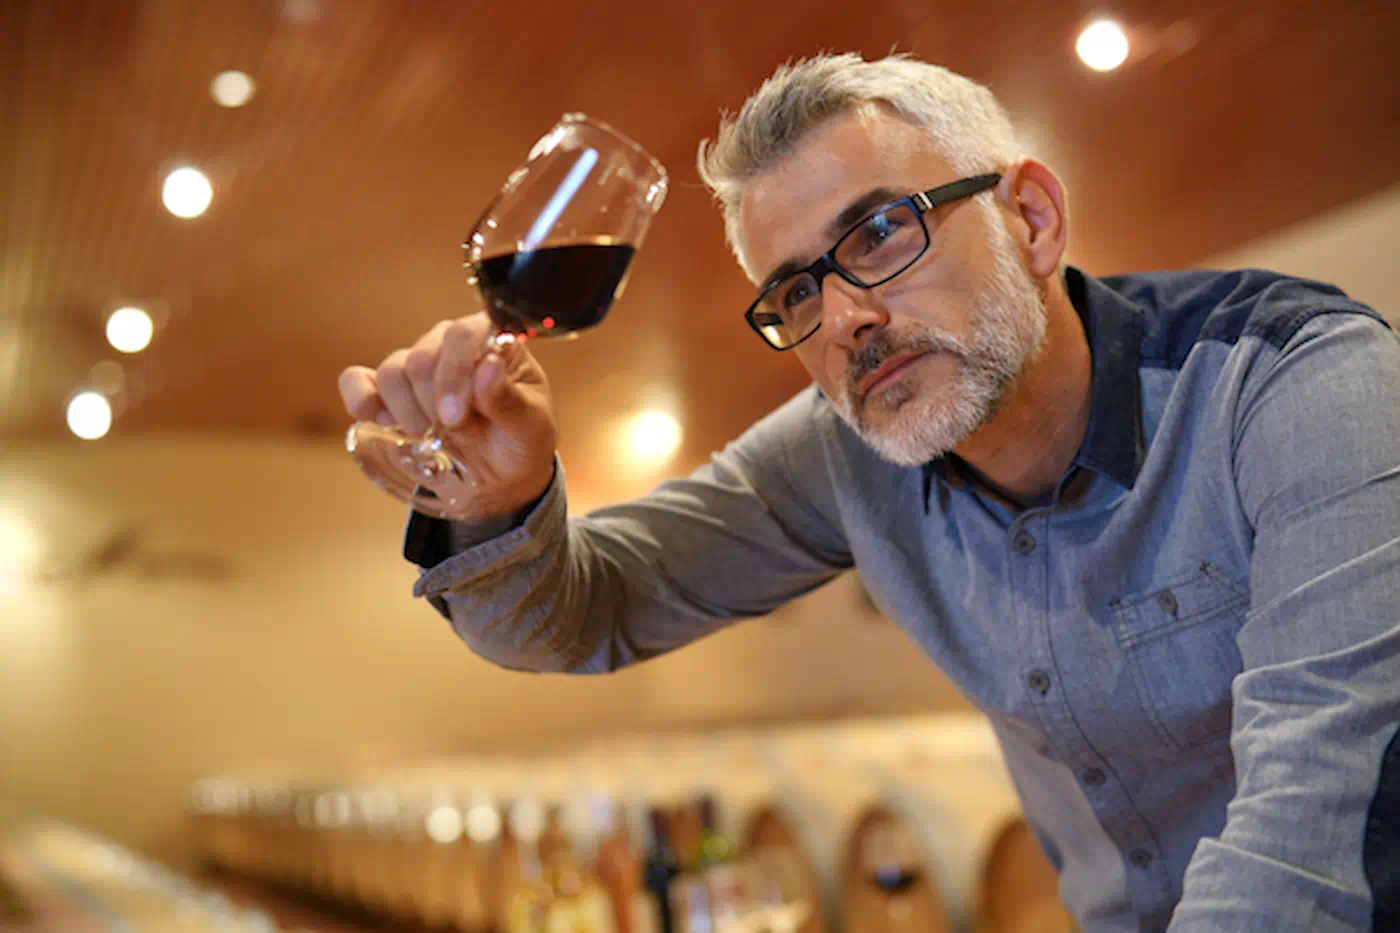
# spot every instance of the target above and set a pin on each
(850, 314)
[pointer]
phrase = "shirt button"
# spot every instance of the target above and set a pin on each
(1140, 857)
(1167, 600)
(1093, 777)
(1039, 681)
(1024, 542)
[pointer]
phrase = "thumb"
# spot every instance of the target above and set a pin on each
(498, 398)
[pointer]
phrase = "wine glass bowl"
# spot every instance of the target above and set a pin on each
(551, 253)
(550, 256)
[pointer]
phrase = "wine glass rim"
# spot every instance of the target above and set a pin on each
(578, 117)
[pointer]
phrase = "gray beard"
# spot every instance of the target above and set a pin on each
(923, 423)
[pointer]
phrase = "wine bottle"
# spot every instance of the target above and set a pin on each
(615, 862)
(662, 867)
(581, 904)
(713, 847)
(554, 838)
(528, 901)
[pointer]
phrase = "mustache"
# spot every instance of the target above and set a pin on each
(873, 353)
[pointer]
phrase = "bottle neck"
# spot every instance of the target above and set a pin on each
(658, 835)
(709, 821)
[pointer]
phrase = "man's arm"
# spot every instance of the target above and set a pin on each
(594, 593)
(1317, 468)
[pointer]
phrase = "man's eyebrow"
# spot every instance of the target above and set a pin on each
(847, 218)
(857, 209)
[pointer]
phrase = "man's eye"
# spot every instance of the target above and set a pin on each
(797, 293)
(879, 229)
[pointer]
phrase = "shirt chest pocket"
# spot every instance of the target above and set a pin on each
(1179, 638)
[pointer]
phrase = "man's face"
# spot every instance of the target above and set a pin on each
(918, 364)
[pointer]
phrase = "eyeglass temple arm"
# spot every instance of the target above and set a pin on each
(928, 200)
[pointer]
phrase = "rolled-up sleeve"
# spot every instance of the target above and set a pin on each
(1307, 844)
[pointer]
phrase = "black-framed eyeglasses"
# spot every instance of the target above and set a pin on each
(888, 241)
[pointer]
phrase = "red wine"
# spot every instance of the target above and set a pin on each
(554, 290)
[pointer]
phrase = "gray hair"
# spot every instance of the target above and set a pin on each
(967, 125)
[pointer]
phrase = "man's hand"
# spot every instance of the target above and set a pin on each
(494, 410)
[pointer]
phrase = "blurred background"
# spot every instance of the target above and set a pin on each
(195, 580)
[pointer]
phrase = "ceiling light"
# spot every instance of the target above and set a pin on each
(1102, 45)
(89, 415)
(130, 330)
(187, 192)
(232, 89)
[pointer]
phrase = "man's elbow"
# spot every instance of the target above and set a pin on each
(534, 656)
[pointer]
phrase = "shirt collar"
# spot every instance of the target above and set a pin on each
(1113, 442)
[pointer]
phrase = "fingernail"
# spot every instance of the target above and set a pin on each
(491, 368)
(449, 409)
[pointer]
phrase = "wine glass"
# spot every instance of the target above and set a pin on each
(550, 255)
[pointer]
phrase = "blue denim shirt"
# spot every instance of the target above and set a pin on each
(1190, 649)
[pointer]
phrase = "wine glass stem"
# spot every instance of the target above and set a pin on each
(428, 449)
(424, 456)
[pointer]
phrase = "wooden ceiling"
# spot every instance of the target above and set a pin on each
(381, 127)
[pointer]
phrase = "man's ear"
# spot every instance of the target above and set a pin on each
(1035, 198)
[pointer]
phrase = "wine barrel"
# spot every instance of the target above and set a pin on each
(1018, 891)
(885, 820)
(814, 802)
(888, 880)
(945, 802)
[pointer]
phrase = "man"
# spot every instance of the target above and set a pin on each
(1150, 524)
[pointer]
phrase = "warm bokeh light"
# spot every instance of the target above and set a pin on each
(187, 192)
(232, 89)
(444, 824)
(526, 820)
(653, 436)
(130, 330)
(89, 415)
(19, 547)
(1102, 45)
(483, 823)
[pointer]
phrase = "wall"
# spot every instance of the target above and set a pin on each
(119, 686)
(1354, 246)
